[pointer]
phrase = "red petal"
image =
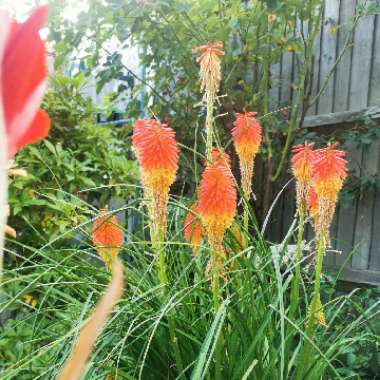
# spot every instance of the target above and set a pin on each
(23, 73)
(36, 131)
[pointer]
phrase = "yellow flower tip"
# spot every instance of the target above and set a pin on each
(272, 18)
(29, 300)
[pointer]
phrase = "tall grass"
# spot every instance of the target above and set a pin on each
(251, 334)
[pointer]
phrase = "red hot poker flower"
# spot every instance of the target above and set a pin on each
(193, 228)
(329, 173)
(302, 163)
(217, 200)
(210, 48)
(312, 204)
(23, 80)
(247, 136)
(157, 152)
(210, 72)
(108, 236)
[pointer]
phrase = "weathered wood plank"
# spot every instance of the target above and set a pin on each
(368, 277)
(347, 12)
(374, 262)
(361, 62)
(374, 93)
(344, 117)
(328, 55)
(315, 70)
(363, 231)
(347, 215)
(286, 78)
(275, 80)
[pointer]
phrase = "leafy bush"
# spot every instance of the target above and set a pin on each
(81, 160)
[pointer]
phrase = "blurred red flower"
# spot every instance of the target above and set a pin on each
(23, 79)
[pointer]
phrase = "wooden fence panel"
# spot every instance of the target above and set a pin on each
(354, 85)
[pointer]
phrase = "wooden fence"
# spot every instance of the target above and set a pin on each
(353, 90)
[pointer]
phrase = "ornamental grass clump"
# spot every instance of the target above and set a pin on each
(217, 203)
(157, 153)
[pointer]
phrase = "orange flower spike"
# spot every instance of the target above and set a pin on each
(247, 136)
(157, 152)
(217, 201)
(210, 70)
(312, 204)
(193, 228)
(107, 236)
(329, 173)
(302, 164)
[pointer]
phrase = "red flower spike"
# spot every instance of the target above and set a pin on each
(329, 163)
(108, 236)
(217, 201)
(312, 204)
(217, 193)
(193, 228)
(23, 81)
(210, 69)
(302, 163)
(247, 136)
(157, 152)
(155, 146)
(329, 173)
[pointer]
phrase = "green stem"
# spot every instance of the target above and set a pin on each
(305, 352)
(158, 245)
(294, 294)
(246, 221)
(219, 343)
(209, 125)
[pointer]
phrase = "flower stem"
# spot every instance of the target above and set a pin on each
(158, 245)
(209, 125)
(305, 352)
(219, 343)
(294, 294)
(246, 222)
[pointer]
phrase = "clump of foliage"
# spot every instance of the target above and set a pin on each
(68, 167)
